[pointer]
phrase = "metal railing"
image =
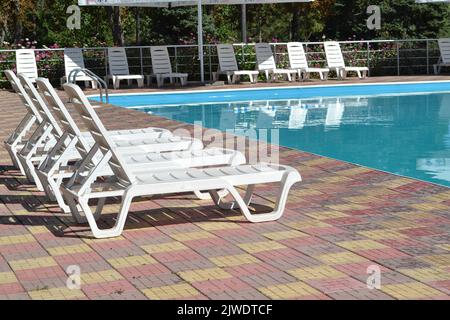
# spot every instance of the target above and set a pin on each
(383, 57)
(100, 84)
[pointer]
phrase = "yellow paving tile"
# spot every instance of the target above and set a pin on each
(362, 199)
(283, 235)
(306, 224)
(38, 229)
(33, 263)
(429, 206)
(132, 261)
(347, 207)
(437, 260)
(164, 247)
(340, 258)
(361, 245)
(177, 291)
(377, 191)
(56, 294)
(198, 235)
(397, 224)
(410, 290)
(232, 261)
(427, 274)
(395, 183)
(79, 248)
(7, 277)
(316, 273)
(308, 192)
(354, 171)
(217, 225)
(204, 274)
(324, 215)
(108, 240)
(100, 276)
(381, 234)
(16, 239)
(335, 179)
(444, 246)
(289, 291)
(256, 247)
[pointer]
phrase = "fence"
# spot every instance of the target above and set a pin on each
(383, 57)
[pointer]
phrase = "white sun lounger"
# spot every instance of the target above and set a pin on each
(162, 68)
(127, 185)
(299, 62)
(26, 63)
(229, 67)
(73, 59)
(142, 140)
(336, 62)
(266, 63)
(52, 171)
(17, 139)
(444, 60)
(119, 70)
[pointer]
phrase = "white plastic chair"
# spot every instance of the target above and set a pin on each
(299, 62)
(229, 67)
(119, 70)
(127, 185)
(73, 59)
(26, 63)
(52, 172)
(336, 62)
(162, 67)
(266, 63)
(444, 60)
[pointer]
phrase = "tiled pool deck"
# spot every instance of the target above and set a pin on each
(339, 221)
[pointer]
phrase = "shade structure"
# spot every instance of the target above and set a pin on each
(176, 3)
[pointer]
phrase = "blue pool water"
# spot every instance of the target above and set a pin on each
(402, 129)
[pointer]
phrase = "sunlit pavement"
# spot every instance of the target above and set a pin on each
(340, 221)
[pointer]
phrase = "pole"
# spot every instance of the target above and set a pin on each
(244, 23)
(200, 40)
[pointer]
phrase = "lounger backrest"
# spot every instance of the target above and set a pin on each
(73, 59)
(39, 104)
(160, 60)
(264, 57)
(62, 114)
(118, 62)
(335, 59)
(26, 63)
(444, 47)
(297, 56)
(99, 133)
(26, 100)
(227, 58)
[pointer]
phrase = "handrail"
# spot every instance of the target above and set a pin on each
(71, 78)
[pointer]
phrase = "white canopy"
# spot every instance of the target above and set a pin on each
(176, 3)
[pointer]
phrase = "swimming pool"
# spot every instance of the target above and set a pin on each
(398, 128)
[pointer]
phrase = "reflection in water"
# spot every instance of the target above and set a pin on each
(405, 134)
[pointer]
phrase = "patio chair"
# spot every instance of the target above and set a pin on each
(336, 62)
(162, 68)
(52, 172)
(266, 64)
(142, 140)
(119, 70)
(73, 59)
(229, 67)
(444, 60)
(127, 185)
(26, 63)
(299, 62)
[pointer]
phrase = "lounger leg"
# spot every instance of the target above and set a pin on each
(120, 222)
(116, 83)
(159, 80)
(230, 205)
(229, 78)
(280, 204)
(140, 83)
(206, 195)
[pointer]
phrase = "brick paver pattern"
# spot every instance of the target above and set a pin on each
(339, 221)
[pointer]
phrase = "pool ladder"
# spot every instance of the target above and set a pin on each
(101, 84)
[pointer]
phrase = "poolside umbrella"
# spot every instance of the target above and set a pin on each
(176, 3)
